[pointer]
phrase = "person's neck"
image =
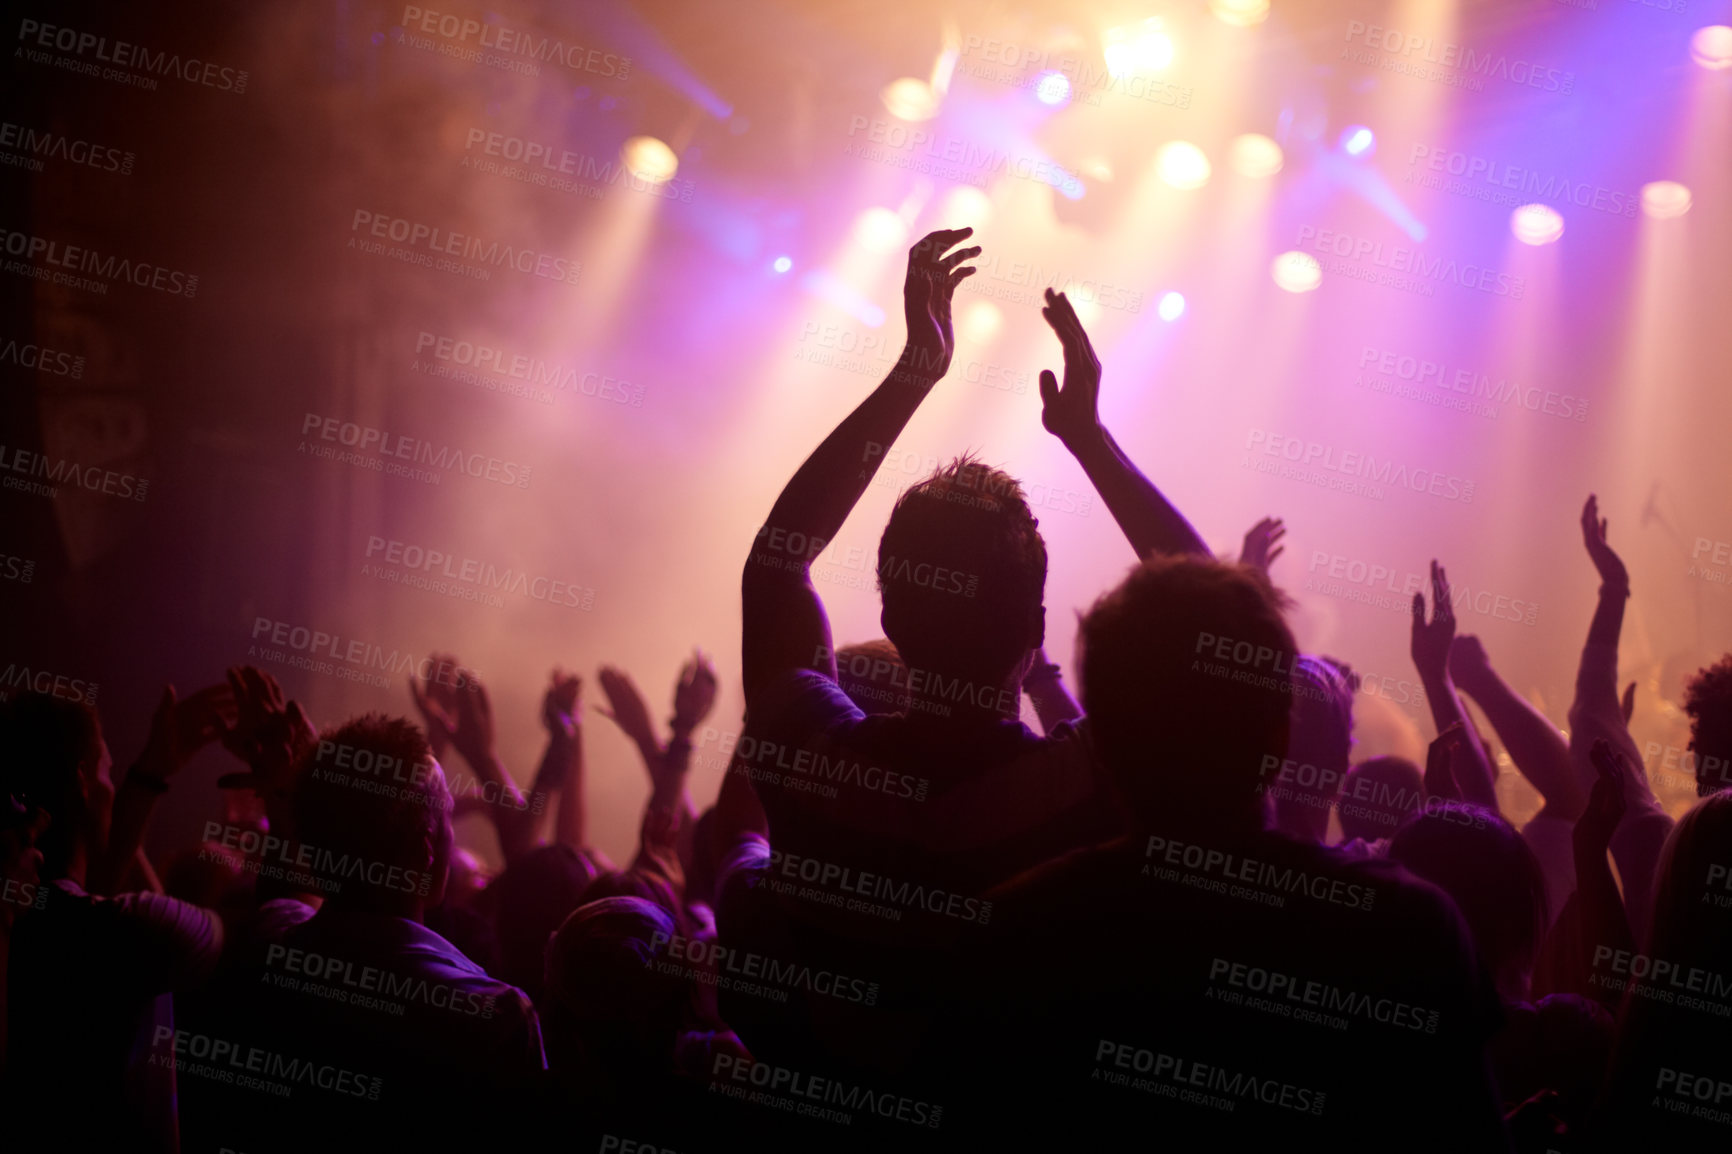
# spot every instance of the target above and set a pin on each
(962, 698)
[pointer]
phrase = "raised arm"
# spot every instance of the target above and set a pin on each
(1072, 414)
(178, 730)
(1597, 713)
(561, 768)
(471, 731)
(783, 620)
(1429, 646)
(1046, 692)
(1535, 745)
(1263, 543)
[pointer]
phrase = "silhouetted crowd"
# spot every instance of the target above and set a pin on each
(909, 921)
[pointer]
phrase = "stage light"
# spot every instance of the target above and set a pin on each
(880, 230)
(1172, 306)
(1536, 224)
(1240, 13)
(649, 159)
(967, 205)
(1137, 48)
(1297, 272)
(981, 322)
(1182, 165)
(782, 264)
(1256, 156)
(910, 99)
(1053, 88)
(1665, 199)
(1357, 140)
(1711, 47)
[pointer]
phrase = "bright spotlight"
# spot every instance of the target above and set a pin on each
(1137, 48)
(1256, 156)
(1536, 224)
(1172, 306)
(1357, 140)
(981, 322)
(1297, 272)
(782, 264)
(1097, 168)
(1182, 165)
(1240, 13)
(649, 160)
(910, 99)
(968, 205)
(880, 230)
(1054, 88)
(1665, 199)
(1711, 47)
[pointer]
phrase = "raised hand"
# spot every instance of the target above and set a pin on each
(559, 708)
(926, 292)
(1469, 665)
(269, 734)
(1609, 565)
(179, 729)
(1606, 802)
(625, 708)
(1262, 543)
(436, 700)
(694, 694)
(1072, 413)
(474, 732)
(1430, 642)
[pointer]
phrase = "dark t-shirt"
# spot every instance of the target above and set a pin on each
(1251, 989)
(87, 992)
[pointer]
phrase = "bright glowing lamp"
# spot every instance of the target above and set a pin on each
(910, 99)
(1536, 224)
(649, 160)
(1182, 165)
(1172, 306)
(1240, 13)
(981, 322)
(1256, 156)
(880, 230)
(1054, 88)
(1297, 272)
(1711, 47)
(1141, 47)
(1665, 199)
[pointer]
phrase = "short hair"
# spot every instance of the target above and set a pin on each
(1393, 790)
(528, 901)
(1177, 727)
(867, 673)
(1682, 930)
(962, 570)
(1480, 860)
(1708, 701)
(45, 742)
(601, 975)
(1320, 733)
(345, 813)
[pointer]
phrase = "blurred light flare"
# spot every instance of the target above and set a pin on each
(1711, 47)
(1240, 13)
(1296, 272)
(1137, 48)
(1256, 156)
(1665, 199)
(1172, 306)
(1054, 88)
(782, 264)
(1182, 165)
(1536, 224)
(981, 322)
(880, 230)
(1358, 140)
(910, 99)
(648, 159)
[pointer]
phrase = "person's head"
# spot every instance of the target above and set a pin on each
(1485, 866)
(635, 883)
(1305, 783)
(53, 759)
(1378, 795)
(1708, 701)
(962, 573)
(372, 810)
(1692, 923)
(528, 901)
(873, 676)
(1185, 679)
(605, 990)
